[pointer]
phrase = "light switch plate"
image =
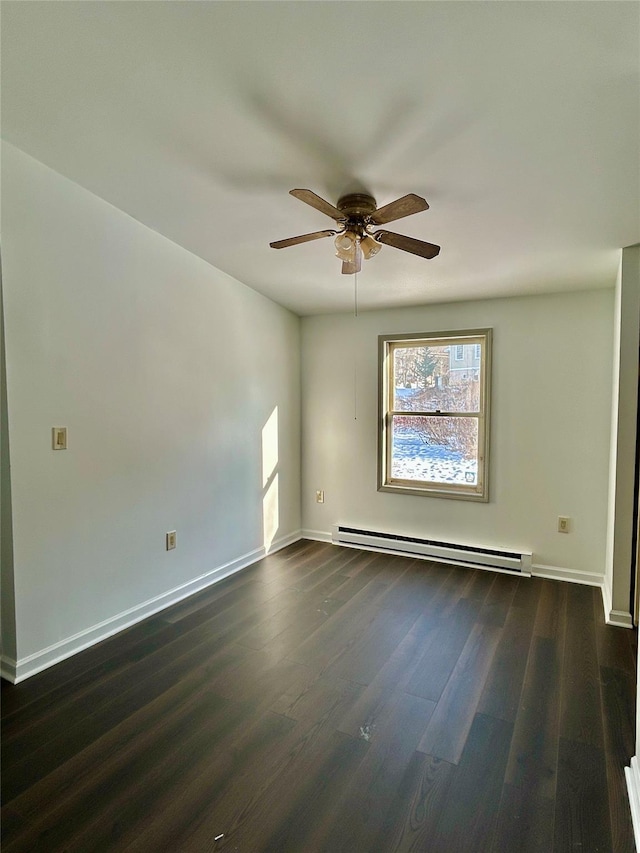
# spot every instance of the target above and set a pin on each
(59, 438)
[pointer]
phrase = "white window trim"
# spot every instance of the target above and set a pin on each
(478, 492)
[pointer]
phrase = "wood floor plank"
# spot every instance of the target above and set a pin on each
(48, 753)
(525, 822)
(373, 648)
(323, 573)
(118, 692)
(468, 820)
(191, 805)
(47, 688)
(65, 699)
(581, 713)
(335, 637)
(410, 820)
(390, 681)
(303, 606)
(313, 805)
(455, 582)
(446, 734)
(552, 609)
(328, 699)
(204, 761)
(533, 756)
(317, 698)
(392, 737)
(442, 650)
(254, 801)
(120, 789)
(257, 799)
(109, 756)
(480, 584)
(501, 694)
(622, 836)
(413, 589)
(582, 813)
(498, 600)
(527, 807)
(167, 645)
(619, 747)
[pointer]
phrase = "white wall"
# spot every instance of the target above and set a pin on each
(7, 599)
(165, 372)
(550, 428)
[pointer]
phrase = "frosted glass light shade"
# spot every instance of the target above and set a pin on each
(370, 247)
(346, 246)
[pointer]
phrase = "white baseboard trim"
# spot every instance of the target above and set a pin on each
(619, 618)
(283, 542)
(607, 598)
(8, 668)
(16, 671)
(317, 535)
(632, 775)
(559, 573)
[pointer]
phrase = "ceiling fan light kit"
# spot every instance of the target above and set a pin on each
(369, 246)
(357, 215)
(345, 242)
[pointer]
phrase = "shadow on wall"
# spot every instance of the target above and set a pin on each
(270, 501)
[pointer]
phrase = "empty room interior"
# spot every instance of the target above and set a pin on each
(320, 335)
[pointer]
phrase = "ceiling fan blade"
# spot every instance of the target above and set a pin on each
(309, 197)
(303, 238)
(348, 267)
(407, 244)
(405, 206)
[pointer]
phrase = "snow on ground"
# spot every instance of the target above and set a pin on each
(413, 459)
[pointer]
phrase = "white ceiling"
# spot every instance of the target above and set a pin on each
(517, 121)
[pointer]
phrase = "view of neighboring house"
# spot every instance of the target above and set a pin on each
(464, 362)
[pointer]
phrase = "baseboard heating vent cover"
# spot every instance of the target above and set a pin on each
(447, 552)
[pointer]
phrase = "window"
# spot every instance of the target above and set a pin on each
(434, 414)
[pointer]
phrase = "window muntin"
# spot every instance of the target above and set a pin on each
(434, 394)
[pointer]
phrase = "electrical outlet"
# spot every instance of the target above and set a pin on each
(59, 438)
(564, 524)
(320, 496)
(171, 540)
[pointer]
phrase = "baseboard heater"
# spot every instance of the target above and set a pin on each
(446, 552)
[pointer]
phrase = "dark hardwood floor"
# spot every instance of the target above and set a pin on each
(330, 699)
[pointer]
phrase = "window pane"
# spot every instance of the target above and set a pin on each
(431, 378)
(436, 450)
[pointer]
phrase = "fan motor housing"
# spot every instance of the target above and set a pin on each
(356, 205)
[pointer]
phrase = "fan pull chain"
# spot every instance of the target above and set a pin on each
(355, 294)
(355, 386)
(355, 358)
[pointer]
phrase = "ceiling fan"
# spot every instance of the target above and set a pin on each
(357, 215)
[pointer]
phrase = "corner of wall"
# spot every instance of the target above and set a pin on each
(7, 612)
(624, 410)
